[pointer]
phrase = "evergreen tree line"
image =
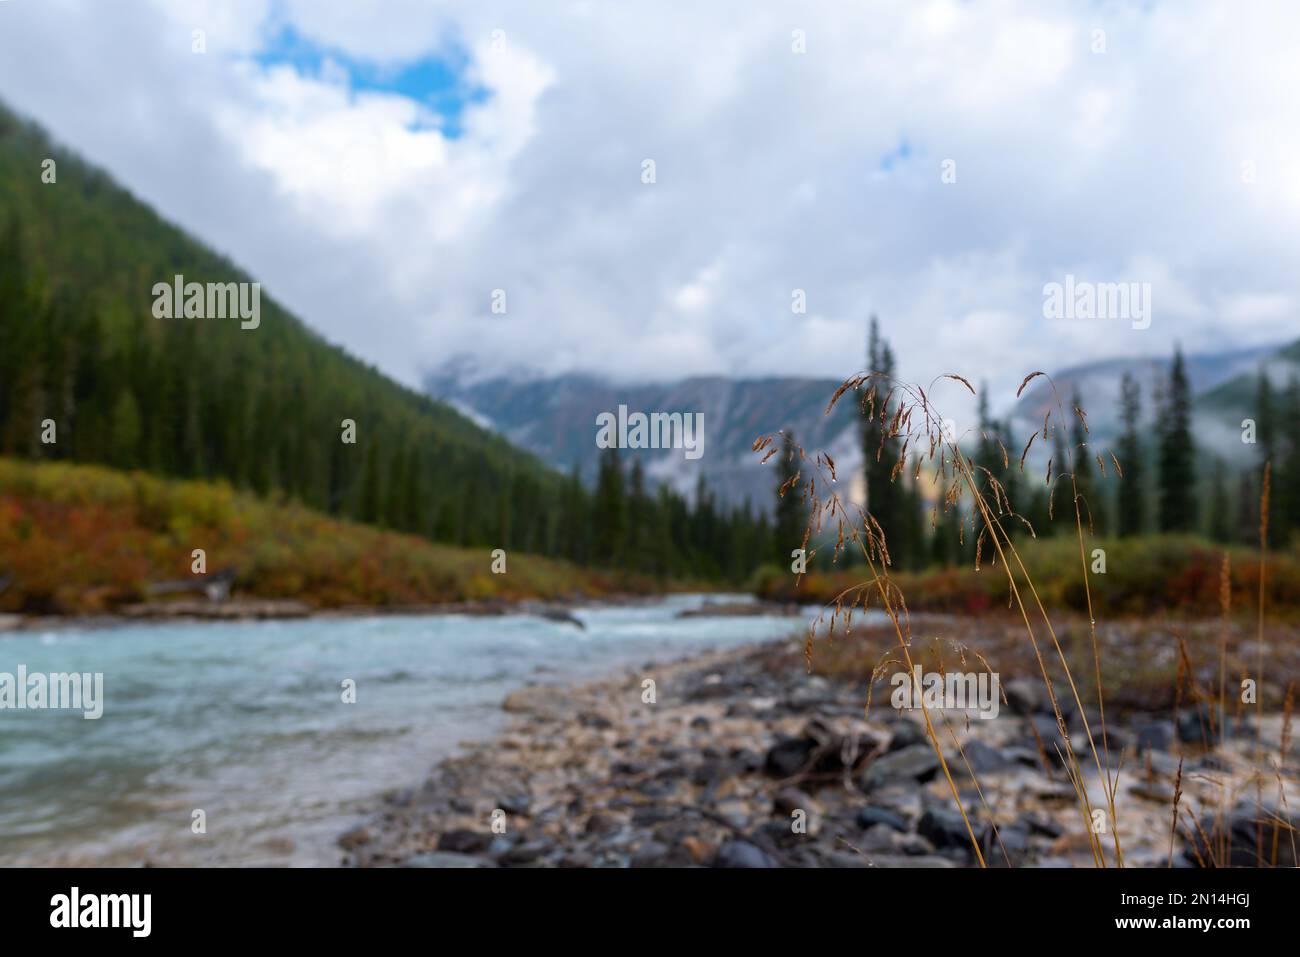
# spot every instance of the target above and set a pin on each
(1161, 485)
(264, 410)
(658, 532)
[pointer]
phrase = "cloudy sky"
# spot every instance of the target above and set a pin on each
(383, 167)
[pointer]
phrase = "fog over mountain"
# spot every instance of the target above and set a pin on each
(555, 416)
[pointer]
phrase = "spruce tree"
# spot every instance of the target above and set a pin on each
(945, 549)
(1011, 478)
(1177, 452)
(1060, 494)
(1267, 441)
(1091, 512)
(1289, 487)
(371, 503)
(1131, 506)
(914, 517)
(880, 450)
(638, 520)
(610, 509)
(791, 510)
(991, 464)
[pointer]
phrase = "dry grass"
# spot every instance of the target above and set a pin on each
(1067, 656)
(82, 539)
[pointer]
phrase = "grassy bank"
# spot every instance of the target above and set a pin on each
(78, 539)
(1155, 575)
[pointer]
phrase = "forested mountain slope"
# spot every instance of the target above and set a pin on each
(263, 407)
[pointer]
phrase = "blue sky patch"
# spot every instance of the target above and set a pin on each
(438, 82)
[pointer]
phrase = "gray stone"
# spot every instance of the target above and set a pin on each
(788, 756)
(742, 854)
(983, 758)
(1153, 736)
(905, 734)
(650, 854)
(918, 762)
(1025, 696)
(944, 828)
(600, 823)
(788, 800)
(464, 841)
(1008, 847)
(1250, 832)
(872, 815)
(525, 853)
(1049, 735)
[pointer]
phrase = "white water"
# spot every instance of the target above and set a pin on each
(246, 721)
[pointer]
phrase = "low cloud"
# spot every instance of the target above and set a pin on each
(1169, 158)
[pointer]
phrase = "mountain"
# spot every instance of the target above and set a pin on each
(1228, 402)
(1222, 383)
(262, 408)
(107, 357)
(556, 419)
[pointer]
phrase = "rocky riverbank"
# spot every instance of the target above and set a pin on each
(742, 759)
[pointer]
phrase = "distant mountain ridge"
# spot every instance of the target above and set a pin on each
(555, 416)
(556, 419)
(1215, 378)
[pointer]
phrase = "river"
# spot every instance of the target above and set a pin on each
(246, 722)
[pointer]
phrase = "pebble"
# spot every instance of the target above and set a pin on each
(717, 774)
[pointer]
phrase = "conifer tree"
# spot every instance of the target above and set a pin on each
(1289, 487)
(610, 508)
(1267, 440)
(1177, 452)
(791, 510)
(1131, 508)
(880, 450)
(1091, 510)
(1060, 494)
(638, 520)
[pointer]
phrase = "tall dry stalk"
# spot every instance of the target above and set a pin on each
(1225, 605)
(905, 413)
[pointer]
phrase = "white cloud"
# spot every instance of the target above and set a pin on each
(389, 236)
